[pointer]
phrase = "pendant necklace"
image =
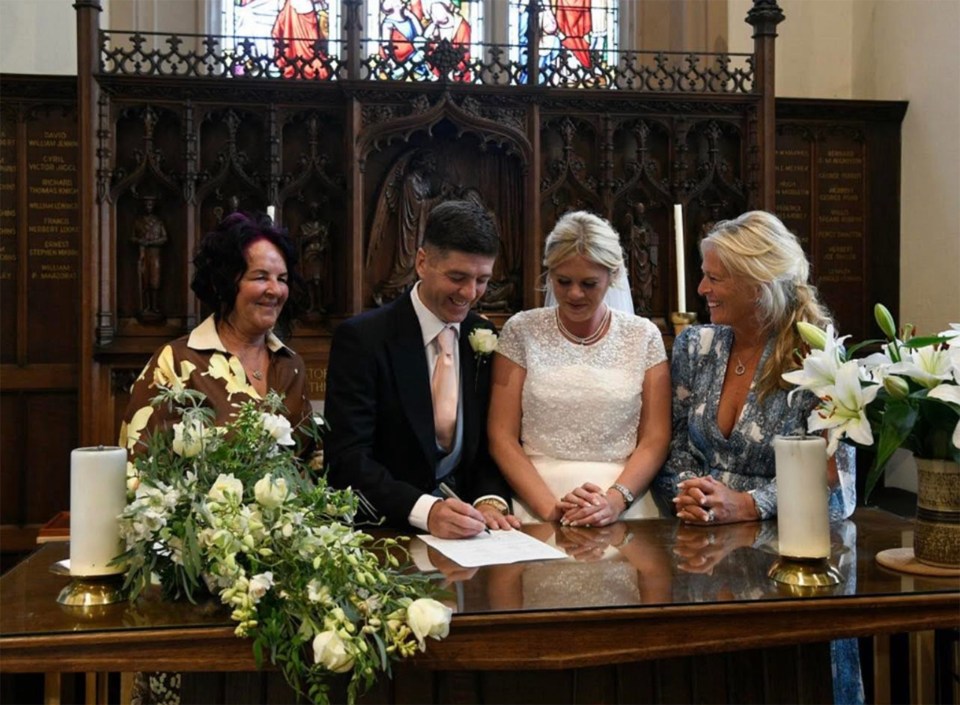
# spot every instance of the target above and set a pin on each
(741, 369)
(589, 339)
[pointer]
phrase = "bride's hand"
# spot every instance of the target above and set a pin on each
(589, 505)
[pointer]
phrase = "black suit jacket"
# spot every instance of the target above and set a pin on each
(382, 440)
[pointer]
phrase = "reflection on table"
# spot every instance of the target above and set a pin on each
(628, 593)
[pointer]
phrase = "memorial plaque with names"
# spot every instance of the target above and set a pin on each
(8, 238)
(840, 218)
(794, 204)
(53, 239)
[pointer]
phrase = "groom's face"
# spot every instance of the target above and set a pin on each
(452, 282)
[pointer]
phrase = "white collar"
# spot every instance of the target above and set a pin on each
(205, 337)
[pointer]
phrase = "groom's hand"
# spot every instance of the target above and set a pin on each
(453, 519)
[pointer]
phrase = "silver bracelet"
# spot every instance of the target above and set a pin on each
(627, 494)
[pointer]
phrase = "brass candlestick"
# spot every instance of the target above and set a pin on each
(804, 572)
(681, 320)
(90, 591)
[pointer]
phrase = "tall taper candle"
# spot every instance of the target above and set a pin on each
(803, 521)
(271, 212)
(681, 276)
(98, 494)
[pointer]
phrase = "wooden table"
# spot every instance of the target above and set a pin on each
(643, 590)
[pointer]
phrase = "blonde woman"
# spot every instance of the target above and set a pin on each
(579, 416)
(729, 400)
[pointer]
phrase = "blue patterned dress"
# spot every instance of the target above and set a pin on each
(745, 461)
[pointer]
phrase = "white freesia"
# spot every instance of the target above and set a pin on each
(483, 341)
(259, 584)
(226, 488)
(843, 410)
(427, 617)
(278, 427)
(271, 492)
(330, 651)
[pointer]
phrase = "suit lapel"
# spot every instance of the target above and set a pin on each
(412, 378)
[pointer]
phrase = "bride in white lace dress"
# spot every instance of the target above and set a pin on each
(579, 418)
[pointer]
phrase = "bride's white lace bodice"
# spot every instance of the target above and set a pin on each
(581, 402)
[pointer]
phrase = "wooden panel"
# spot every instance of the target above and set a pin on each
(53, 236)
(838, 166)
(9, 250)
(50, 434)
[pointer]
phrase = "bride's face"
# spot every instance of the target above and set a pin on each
(579, 284)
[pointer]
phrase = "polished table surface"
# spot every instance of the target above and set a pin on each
(635, 590)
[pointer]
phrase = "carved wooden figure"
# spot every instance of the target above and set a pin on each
(150, 234)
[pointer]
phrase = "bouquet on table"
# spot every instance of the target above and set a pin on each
(907, 395)
(232, 510)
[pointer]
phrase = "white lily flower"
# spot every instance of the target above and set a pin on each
(953, 333)
(818, 374)
(925, 366)
(843, 411)
(950, 393)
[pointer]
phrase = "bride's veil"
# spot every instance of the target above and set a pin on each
(618, 296)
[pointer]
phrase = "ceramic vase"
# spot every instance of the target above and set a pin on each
(936, 538)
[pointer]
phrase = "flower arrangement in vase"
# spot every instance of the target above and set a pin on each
(907, 395)
(233, 511)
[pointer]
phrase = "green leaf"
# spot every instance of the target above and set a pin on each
(896, 425)
(924, 342)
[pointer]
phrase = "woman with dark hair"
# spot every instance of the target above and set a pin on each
(244, 272)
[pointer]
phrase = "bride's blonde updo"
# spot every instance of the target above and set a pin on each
(757, 249)
(588, 235)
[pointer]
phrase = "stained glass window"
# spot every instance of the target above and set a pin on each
(296, 34)
(578, 39)
(409, 31)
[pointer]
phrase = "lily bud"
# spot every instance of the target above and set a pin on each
(896, 387)
(812, 336)
(885, 320)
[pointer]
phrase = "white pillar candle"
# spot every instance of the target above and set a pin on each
(803, 521)
(271, 212)
(98, 494)
(681, 276)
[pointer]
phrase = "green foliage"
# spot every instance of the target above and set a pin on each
(232, 511)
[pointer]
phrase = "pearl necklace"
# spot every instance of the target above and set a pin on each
(589, 339)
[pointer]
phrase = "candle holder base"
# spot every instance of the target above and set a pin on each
(88, 592)
(681, 320)
(804, 572)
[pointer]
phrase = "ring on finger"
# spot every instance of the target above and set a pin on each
(711, 515)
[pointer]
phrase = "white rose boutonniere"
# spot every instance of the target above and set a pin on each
(483, 341)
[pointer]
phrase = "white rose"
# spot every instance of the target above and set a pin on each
(188, 438)
(259, 584)
(330, 651)
(278, 427)
(270, 492)
(427, 617)
(224, 487)
(483, 341)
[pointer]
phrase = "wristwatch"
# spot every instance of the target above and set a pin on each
(627, 494)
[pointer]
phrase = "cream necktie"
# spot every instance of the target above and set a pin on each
(444, 389)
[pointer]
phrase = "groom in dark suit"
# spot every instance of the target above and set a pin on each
(407, 395)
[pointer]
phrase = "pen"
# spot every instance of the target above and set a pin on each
(448, 492)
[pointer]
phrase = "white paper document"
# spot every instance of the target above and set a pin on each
(495, 548)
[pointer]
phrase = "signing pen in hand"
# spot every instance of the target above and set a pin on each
(448, 492)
